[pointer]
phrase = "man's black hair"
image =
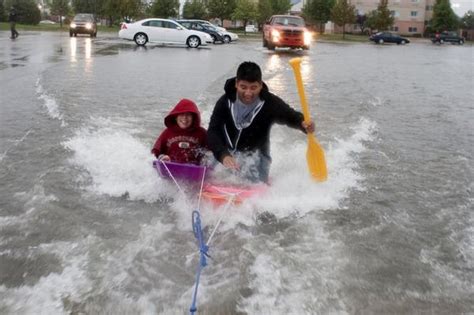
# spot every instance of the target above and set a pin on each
(249, 71)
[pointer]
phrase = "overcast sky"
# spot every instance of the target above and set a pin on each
(460, 7)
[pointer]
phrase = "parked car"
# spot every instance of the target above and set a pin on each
(214, 33)
(251, 28)
(286, 31)
(83, 23)
(46, 22)
(162, 31)
(449, 37)
(387, 37)
(222, 29)
(228, 36)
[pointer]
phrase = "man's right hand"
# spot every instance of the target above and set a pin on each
(229, 162)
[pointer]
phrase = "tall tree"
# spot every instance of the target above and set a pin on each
(245, 11)
(122, 10)
(2, 11)
(194, 9)
(61, 8)
(444, 18)
(221, 9)
(264, 9)
(361, 21)
(27, 11)
(467, 20)
(318, 12)
(280, 6)
(165, 8)
(343, 13)
(380, 19)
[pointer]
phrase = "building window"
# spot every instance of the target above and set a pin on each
(394, 13)
(414, 13)
(412, 29)
(394, 28)
(429, 8)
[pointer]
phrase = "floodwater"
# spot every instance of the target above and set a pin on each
(87, 227)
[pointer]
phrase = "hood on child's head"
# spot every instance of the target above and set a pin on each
(183, 106)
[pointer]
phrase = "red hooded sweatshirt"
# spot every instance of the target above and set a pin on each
(182, 145)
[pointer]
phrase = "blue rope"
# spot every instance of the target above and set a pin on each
(203, 248)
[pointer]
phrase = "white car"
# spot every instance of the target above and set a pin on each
(251, 28)
(162, 31)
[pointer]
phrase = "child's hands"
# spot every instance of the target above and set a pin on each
(164, 158)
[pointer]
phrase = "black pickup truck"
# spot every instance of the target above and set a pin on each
(447, 37)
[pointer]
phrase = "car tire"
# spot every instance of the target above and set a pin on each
(264, 42)
(92, 35)
(193, 41)
(71, 34)
(380, 41)
(140, 39)
(214, 39)
(227, 39)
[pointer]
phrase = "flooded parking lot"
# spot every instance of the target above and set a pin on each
(88, 227)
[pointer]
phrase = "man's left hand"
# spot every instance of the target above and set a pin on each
(308, 126)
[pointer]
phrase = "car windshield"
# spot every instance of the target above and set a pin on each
(292, 21)
(83, 17)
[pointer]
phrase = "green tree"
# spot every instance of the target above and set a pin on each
(444, 18)
(165, 8)
(264, 10)
(27, 11)
(194, 9)
(280, 6)
(343, 13)
(245, 11)
(318, 12)
(361, 21)
(221, 9)
(380, 19)
(2, 11)
(122, 10)
(467, 20)
(61, 8)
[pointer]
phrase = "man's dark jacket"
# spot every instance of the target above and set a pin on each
(223, 135)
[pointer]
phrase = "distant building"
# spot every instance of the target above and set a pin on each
(410, 15)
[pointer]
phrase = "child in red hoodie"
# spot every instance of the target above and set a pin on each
(184, 140)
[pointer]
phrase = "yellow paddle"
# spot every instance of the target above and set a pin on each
(314, 154)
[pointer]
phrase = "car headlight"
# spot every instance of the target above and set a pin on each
(73, 25)
(307, 38)
(275, 35)
(88, 26)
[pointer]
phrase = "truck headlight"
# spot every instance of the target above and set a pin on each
(307, 38)
(275, 36)
(88, 26)
(73, 25)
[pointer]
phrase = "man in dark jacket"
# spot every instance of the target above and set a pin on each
(12, 18)
(239, 130)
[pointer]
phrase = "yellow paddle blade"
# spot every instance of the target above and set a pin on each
(316, 160)
(314, 154)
